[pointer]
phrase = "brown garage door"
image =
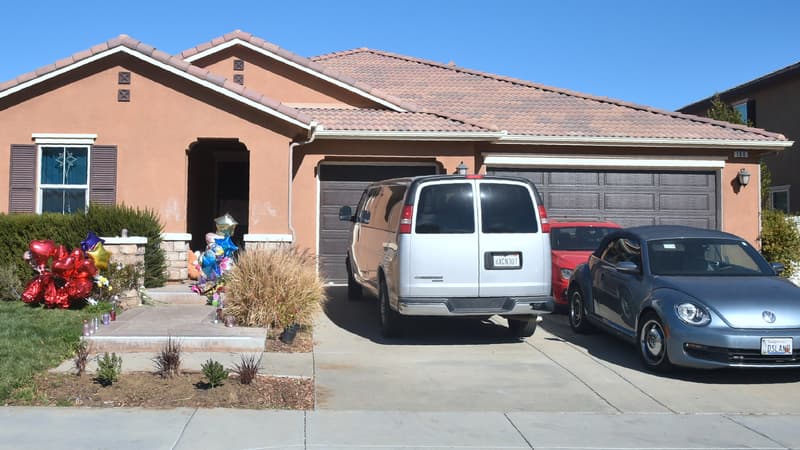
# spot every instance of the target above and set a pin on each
(342, 185)
(625, 197)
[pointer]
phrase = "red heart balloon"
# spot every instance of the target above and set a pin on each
(33, 290)
(64, 267)
(41, 250)
(86, 269)
(78, 255)
(51, 299)
(60, 252)
(79, 288)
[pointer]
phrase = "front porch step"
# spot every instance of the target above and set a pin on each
(148, 328)
(176, 294)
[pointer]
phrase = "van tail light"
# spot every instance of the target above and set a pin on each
(405, 219)
(474, 176)
(545, 220)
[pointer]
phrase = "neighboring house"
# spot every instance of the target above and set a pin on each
(281, 141)
(771, 102)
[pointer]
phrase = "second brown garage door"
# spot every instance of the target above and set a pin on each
(626, 197)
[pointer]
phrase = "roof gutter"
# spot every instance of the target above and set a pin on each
(412, 135)
(644, 142)
(312, 130)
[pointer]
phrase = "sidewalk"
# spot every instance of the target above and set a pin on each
(71, 428)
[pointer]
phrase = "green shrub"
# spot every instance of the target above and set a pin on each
(780, 240)
(110, 220)
(274, 287)
(108, 369)
(18, 230)
(121, 278)
(214, 372)
(10, 285)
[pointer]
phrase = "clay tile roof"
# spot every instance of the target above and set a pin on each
(522, 107)
(343, 77)
(163, 57)
(341, 119)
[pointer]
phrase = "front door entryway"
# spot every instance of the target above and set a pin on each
(219, 183)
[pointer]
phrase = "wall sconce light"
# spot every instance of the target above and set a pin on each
(744, 177)
(461, 169)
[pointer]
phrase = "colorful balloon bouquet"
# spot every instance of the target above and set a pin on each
(217, 259)
(63, 276)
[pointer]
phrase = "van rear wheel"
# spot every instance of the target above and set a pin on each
(390, 319)
(522, 328)
(354, 290)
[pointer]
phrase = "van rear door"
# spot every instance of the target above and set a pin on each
(441, 253)
(514, 252)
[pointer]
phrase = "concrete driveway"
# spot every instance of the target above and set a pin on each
(468, 365)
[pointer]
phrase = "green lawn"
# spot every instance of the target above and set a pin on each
(33, 339)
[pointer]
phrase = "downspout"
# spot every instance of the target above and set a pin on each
(312, 129)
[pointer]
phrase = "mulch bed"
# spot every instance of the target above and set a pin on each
(303, 342)
(149, 390)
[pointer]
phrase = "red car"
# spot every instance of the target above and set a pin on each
(571, 243)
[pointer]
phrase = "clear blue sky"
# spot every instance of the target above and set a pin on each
(661, 53)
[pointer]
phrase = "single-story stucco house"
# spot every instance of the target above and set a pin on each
(281, 141)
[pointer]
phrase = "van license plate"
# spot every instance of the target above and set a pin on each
(506, 260)
(776, 346)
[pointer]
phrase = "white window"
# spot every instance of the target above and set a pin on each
(779, 198)
(62, 174)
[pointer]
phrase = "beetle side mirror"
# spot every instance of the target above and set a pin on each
(777, 267)
(346, 214)
(628, 267)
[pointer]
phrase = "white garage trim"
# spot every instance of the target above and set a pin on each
(604, 162)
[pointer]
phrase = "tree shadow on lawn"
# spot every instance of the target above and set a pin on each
(361, 317)
(619, 352)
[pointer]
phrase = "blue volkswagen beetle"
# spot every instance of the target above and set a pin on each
(689, 297)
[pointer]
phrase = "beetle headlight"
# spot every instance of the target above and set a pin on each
(692, 314)
(566, 273)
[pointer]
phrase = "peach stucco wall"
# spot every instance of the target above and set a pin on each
(741, 214)
(279, 81)
(152, 132)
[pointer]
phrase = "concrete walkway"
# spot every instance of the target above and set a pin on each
(139, 333)
(147, 328)
(71, 428)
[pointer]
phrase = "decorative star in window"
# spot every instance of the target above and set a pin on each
(65, 161)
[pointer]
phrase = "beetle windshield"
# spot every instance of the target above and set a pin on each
(705, 257)
(578, 238)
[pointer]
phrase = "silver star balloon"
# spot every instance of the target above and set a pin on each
(226, 224)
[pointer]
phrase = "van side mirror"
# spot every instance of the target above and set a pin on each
(628, 267)
(777, 267)
(346, 214)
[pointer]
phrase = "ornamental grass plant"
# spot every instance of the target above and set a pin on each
(274, 287)
(167, 361)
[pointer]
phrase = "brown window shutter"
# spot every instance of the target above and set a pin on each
(103, 178)
(22, 179)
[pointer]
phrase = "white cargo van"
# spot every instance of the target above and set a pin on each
(451, 245)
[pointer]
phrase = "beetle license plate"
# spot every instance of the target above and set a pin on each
(776, 346)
